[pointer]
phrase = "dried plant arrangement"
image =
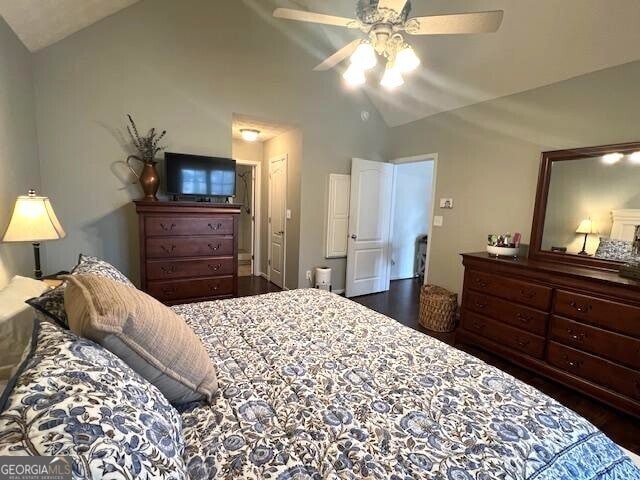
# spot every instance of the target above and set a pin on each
(147, 145)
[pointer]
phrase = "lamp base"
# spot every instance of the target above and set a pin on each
(37, 273)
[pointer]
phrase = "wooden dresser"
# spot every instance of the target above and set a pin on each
(579, 326)
(188, 250)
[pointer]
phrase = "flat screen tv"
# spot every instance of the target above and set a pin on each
(199, 176)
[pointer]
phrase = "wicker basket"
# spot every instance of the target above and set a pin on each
(438, 308)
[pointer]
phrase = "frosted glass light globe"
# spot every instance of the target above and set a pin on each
(364, 57)
(392, 78)
(407, 60)
(354, 76)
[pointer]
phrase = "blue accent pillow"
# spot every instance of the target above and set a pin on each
(73, 397)
(51, 303)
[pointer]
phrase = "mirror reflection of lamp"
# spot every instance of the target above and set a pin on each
(586, 227)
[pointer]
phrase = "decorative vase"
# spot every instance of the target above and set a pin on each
(148, 178)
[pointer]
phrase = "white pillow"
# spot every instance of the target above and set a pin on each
(16, 321)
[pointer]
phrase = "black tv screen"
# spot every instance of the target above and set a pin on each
(198, 175)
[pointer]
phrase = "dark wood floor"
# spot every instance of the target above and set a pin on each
(401, 303)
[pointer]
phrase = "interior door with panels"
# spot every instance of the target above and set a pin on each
(369, 227)
(277, 219)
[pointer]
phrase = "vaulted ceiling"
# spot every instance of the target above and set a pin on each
(540, 42)
(40, 23)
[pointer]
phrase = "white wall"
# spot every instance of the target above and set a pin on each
(411, 216)
(19, 169)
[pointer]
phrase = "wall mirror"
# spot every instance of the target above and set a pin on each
(587, 208)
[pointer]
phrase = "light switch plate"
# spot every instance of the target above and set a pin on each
(288, 214)
(437, 221)
(446, 203)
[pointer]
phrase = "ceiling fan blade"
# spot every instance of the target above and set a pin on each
(479, 22)
(395, 5)
(311, 17)
(338, 57)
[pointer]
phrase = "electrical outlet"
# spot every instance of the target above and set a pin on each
(309, 275)
(437, 221)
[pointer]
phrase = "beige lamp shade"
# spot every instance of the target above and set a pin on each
(586, 226)
(33, 220)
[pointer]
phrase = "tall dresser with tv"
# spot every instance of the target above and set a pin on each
(189, 249)
(561, 312)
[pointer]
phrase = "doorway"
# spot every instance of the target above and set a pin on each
(248, 194)
(412, 212)
(277, 220)
(390, 215)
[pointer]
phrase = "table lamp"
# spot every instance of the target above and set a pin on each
(33, 220)
(586, 227)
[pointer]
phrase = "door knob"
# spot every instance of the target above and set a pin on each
(354, 237)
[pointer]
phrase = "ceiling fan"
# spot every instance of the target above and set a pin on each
(384, 22)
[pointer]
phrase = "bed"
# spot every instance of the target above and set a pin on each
(312, 386)
(316, 386)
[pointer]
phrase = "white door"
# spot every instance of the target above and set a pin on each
(369, 223)
(277, 219)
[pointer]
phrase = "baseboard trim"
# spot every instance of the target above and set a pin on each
(340, 291)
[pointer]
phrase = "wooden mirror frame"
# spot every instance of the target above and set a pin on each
(540, 208)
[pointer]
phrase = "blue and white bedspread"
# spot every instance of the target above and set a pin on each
(316, 386)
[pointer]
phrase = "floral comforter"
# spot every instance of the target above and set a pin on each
(313, 386)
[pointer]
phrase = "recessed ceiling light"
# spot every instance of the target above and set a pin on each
(611, 158)
(249, 134)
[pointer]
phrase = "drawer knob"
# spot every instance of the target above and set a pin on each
(167, 228)
(523, 318)
(217, 226)
(168, 290)
(168, 270)
(215, 287)
(477, 324)
(577, 336)
(215, 268)
(479, 304)
(572, 364)
(168, 250)
(527, 293)
(481, 283)
(581, 307)
(212, 247)
(523, 342)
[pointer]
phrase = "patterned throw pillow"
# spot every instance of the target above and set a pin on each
(72, 397)
(616, 250)
(51, 303)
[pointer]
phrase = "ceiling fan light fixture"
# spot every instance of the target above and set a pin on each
(407, 60)
(635, 158)
(354, 76)
(612, 158)
(364, 57)
(392, 77)
(249, 134)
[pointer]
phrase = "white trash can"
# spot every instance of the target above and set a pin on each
(323, 278)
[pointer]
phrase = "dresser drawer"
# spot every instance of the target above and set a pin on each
(519, 316)
(603, 313)
(526, 293)
(202, 267)
(504, 334)
(162, 226)
(616, 347)
(172, 247)
(598, 370)
(193, 288)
